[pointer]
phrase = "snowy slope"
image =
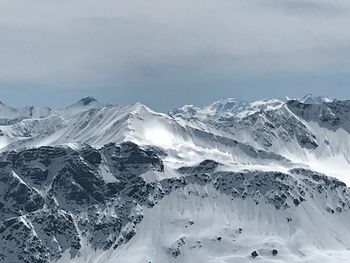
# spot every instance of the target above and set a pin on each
(316, 134)
(98, 125)
(186, 228)
(266, 132)
(88, 205)
(230, 182)
(219, 222)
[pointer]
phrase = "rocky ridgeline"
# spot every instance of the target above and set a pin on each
(55, 199)
(330, 115)
(273, 122)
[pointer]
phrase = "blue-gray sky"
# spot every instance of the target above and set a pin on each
(169, 53)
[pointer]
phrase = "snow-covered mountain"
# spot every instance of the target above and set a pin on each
(230, 182)
(310, 99)
(225, 109)
(314, 134)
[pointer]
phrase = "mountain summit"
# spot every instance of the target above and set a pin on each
(87, 100)
(310, 99)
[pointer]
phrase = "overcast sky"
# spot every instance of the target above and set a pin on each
(169, 53)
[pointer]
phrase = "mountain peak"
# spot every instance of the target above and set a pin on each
(229, 104)
(311, 99)
(4, 105)
(7, 111)
(87, 101)
(139, 107)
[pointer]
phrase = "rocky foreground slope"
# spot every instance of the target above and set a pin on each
(57, 200)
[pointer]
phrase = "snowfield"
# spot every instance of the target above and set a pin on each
(184, 227)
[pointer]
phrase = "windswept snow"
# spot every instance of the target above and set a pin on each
(185, 227)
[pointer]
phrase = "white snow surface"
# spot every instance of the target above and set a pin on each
(193, 224)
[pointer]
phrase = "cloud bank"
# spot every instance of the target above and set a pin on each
(138, 50)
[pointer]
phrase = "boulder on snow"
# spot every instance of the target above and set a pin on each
(254, 254)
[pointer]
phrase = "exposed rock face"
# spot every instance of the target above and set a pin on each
(50, 195)
(254, 254)
(274, 121)
(331, 115)
(274, 252)
(56, 199)
(206, 166)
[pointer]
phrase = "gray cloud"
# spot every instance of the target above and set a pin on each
(136, 50)
(311, 7)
